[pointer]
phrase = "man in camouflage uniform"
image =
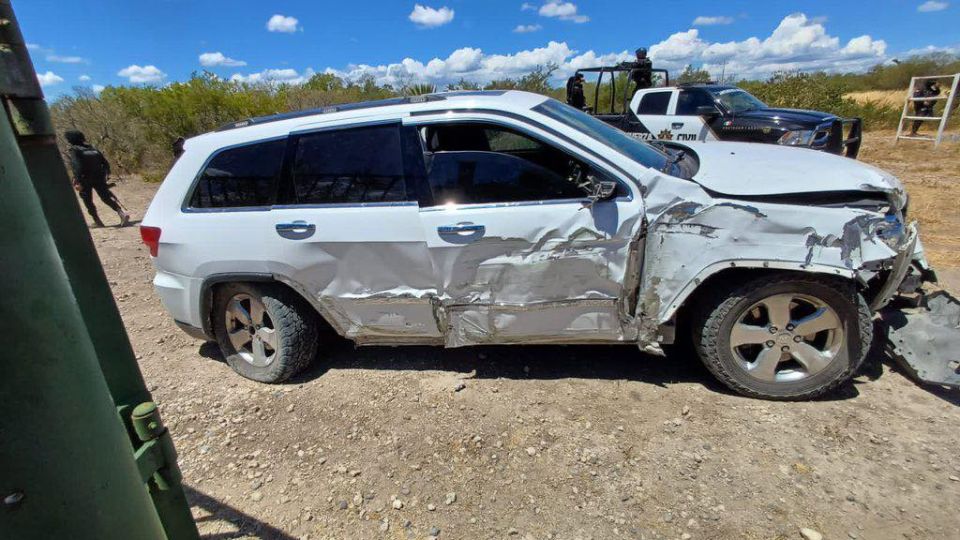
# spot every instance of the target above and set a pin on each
(90, 172)
(924, 108)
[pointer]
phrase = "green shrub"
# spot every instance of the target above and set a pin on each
(821, 92)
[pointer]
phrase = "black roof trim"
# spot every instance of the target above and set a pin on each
(332, 109)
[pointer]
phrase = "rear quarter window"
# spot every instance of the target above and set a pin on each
(654, 103)
(242, 176)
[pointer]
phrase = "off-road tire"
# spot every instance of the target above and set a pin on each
(294, 320)
(715, 316)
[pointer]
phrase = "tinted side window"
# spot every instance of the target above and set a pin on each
(488, 177)
(240, 177)
(349, 166)
(689, 100)
(507, 141)
(655, 103)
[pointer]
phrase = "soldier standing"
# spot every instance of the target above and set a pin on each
(642, 74)
(90, 172)
(575, 95)
(924, 108)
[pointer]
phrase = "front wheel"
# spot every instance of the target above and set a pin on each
(784, 337)
(266, 332)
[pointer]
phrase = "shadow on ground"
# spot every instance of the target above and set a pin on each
(219, 521)
(537, 362)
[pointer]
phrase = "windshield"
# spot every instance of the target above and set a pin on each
(635, 149)
(736, 100)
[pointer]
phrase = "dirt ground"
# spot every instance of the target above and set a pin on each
(550, 442)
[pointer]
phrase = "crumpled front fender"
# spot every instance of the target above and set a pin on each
(691, 236)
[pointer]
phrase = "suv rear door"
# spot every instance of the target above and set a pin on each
(520, 253)
(350, 231)
(651, 109)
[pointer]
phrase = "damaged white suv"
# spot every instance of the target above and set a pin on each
(474, 218)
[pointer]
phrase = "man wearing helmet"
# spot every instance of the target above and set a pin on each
(90, 172)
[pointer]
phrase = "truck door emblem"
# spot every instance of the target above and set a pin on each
(666, 135)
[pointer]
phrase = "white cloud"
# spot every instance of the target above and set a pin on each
(275, 76)
(930, 49)
(84, 78)
(284, 24)
(527, 28)
(798, 43)
(97, 88)
(527, 6)
(566, 11)
(703, 20)
(49, 78)
(428, 17)
(33, 47)
(144, 74)
(474, 65)
(65, 59)
(213, 59)
(932, 5)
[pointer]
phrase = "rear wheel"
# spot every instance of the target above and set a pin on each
(265, 332)
(784, 337)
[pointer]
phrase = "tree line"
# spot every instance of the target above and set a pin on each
(135, 126)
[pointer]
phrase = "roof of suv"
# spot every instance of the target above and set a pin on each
(276, 125)
(454, 97)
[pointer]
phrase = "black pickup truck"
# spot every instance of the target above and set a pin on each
(704, 112)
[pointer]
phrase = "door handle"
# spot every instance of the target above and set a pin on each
(296, 230)
(462, 229)
(677, 125)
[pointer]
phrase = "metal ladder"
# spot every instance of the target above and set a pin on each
(944, 116)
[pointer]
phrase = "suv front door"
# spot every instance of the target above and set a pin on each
(519, 251)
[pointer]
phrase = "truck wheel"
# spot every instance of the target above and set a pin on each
(265, 332)
(784, 337)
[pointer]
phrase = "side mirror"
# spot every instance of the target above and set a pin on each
(708, 110)
(601, 190)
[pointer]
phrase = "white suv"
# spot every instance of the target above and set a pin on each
(475, 218)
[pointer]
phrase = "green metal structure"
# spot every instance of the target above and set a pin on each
(83, 452)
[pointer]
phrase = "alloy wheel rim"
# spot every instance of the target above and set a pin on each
(786, 338)
(250, 330)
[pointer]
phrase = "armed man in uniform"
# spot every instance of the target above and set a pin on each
(575, 95)
(930, 88)
(90, 172)
(641, 70)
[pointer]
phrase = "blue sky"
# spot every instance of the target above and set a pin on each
(110, 42)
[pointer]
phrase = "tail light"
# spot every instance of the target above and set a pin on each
(151, 238)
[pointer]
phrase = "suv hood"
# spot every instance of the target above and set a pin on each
(750, 169)
(787, 116)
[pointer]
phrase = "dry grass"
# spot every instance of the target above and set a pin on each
(882, 98)
(932, 177)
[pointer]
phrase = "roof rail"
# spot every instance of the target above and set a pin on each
(331, 109)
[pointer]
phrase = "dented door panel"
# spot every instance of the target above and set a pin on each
(540, 272)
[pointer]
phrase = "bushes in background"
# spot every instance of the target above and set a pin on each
(135, 126)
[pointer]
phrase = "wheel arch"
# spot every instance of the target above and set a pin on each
(726, 274)
(211, 283)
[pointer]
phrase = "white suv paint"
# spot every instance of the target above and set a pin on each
(506, 217)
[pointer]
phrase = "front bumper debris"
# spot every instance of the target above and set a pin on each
(925, 340)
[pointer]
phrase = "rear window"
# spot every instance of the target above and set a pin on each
(244, 176)
(654, 103)
(359, 165)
